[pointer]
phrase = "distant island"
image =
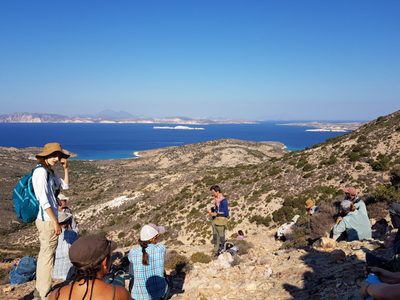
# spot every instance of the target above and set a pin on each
(327, 126)
(178, 128)
(111, 117)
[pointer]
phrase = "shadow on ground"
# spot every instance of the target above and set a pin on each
(333, 276)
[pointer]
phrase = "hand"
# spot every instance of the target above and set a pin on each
(386, 276)
(57, 228)
(64, 163)
(338, 220)
(363, 290)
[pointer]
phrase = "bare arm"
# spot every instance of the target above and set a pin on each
(383, 291)
(64, 163)
(122, 294)
(387, 276)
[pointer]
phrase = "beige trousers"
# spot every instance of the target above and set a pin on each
(48, 244)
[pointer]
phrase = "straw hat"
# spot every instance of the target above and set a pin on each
(50, 148)
(309, 203)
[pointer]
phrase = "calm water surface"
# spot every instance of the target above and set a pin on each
(112, 141)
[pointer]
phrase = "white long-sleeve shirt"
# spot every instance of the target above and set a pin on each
(44, 191)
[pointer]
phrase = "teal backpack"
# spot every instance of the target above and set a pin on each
(25, 203)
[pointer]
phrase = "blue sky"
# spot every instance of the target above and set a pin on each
(226, 59)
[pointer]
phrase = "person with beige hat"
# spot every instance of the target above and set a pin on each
(45, 185)
(310, 207)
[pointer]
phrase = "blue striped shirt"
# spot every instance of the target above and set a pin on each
(148, 281)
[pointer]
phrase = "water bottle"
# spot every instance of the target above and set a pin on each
(372, 278)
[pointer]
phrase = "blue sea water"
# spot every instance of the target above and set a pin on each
(114, 141)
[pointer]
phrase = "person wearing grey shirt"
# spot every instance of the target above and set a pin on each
(355, 223)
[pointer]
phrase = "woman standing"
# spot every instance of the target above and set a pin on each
(147, 265)
(45, 185)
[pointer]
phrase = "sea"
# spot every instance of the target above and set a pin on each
(96, 141)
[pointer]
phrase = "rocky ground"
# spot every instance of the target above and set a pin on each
(325, 271)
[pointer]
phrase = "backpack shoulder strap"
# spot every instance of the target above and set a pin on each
(48, 178)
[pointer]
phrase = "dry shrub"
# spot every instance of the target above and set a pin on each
(243, 246)
(176, 261)
(322, 222)
(377, 210)
(200, 257)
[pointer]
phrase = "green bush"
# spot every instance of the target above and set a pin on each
(308, 167)
(301, 162)
(261, 220)
(381, 164)
(386, 193)
(353, 156)
(331, 161)
(200, 257)
(362, 138)
(274, 171)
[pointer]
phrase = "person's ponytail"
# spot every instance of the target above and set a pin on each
(145, 255)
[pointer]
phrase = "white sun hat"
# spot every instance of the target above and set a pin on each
(149, 231)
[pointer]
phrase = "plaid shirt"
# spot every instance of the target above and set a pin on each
(148, 281)
(62, 264)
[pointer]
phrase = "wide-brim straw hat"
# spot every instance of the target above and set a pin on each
(50, 148)
(309, 203)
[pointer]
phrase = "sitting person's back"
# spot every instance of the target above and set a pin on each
(91, 257)
(355, 223)
(147, 265)
(63, 268)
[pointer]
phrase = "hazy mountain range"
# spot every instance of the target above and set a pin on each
(107, 116)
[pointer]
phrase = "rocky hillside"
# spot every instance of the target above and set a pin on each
(265, 184)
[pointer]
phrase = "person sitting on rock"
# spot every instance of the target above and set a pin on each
(355, 224)
(240, 236)
(147, 265)
(387, 289)
(91, 257)
(62, 265)
(285, 230)
(310, 206)
(63, 207)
